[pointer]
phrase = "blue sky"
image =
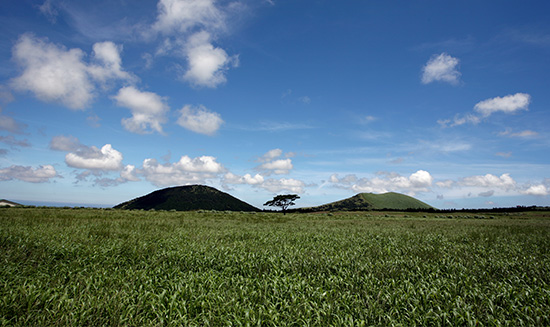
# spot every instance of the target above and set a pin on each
(104, 101)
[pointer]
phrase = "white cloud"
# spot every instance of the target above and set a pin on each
(207, 64)
(283, 184)
(441, 68)
(185, 171)
(92, 158)
(483, 109)
(346, 180)
(129, 173)
(270, 155)
(148, 110)
(189, 27)
(279, 167)
(230, 178)
(183, 15)
(507, 104)
(489, 181)
(54, 74)
(41, 174)
(420, 181)
(199, 120)
(108, 55)
(538, 190)
(460, 120)
(272, 165)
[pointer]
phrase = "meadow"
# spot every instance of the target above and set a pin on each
(95, 267)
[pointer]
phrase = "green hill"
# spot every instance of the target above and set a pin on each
(187, 198)
(370, 201)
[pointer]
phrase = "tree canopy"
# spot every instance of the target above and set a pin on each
(283, 201)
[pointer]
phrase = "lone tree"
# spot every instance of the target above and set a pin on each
(283, 201)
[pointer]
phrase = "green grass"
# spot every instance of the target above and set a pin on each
(393, 200)
(67, 267)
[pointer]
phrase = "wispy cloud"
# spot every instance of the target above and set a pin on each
(504, 154)
(522, 134)
(272, 126)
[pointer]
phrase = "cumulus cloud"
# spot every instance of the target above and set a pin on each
(482, 110)
(207, 64)
(41, 174)
(96, 162)
(538, 190)
(186, 171)
(507, 104)
(420, 181)
(199, 120)
(129, 173)
(189, 28)
(270, 155)
(92, 158)
(272, 165)
(110, 63)
(54, 74)
(283, 184)
(230, 178)
(505, 181)
(441, 68)
(279, 167)
(85, 157)
(148, 110)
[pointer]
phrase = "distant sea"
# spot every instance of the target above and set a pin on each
(62, 204)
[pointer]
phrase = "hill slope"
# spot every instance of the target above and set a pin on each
(370, 201)
(186, 198)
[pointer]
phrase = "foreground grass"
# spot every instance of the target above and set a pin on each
(107, 267)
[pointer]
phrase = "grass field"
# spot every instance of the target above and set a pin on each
(92, 267)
